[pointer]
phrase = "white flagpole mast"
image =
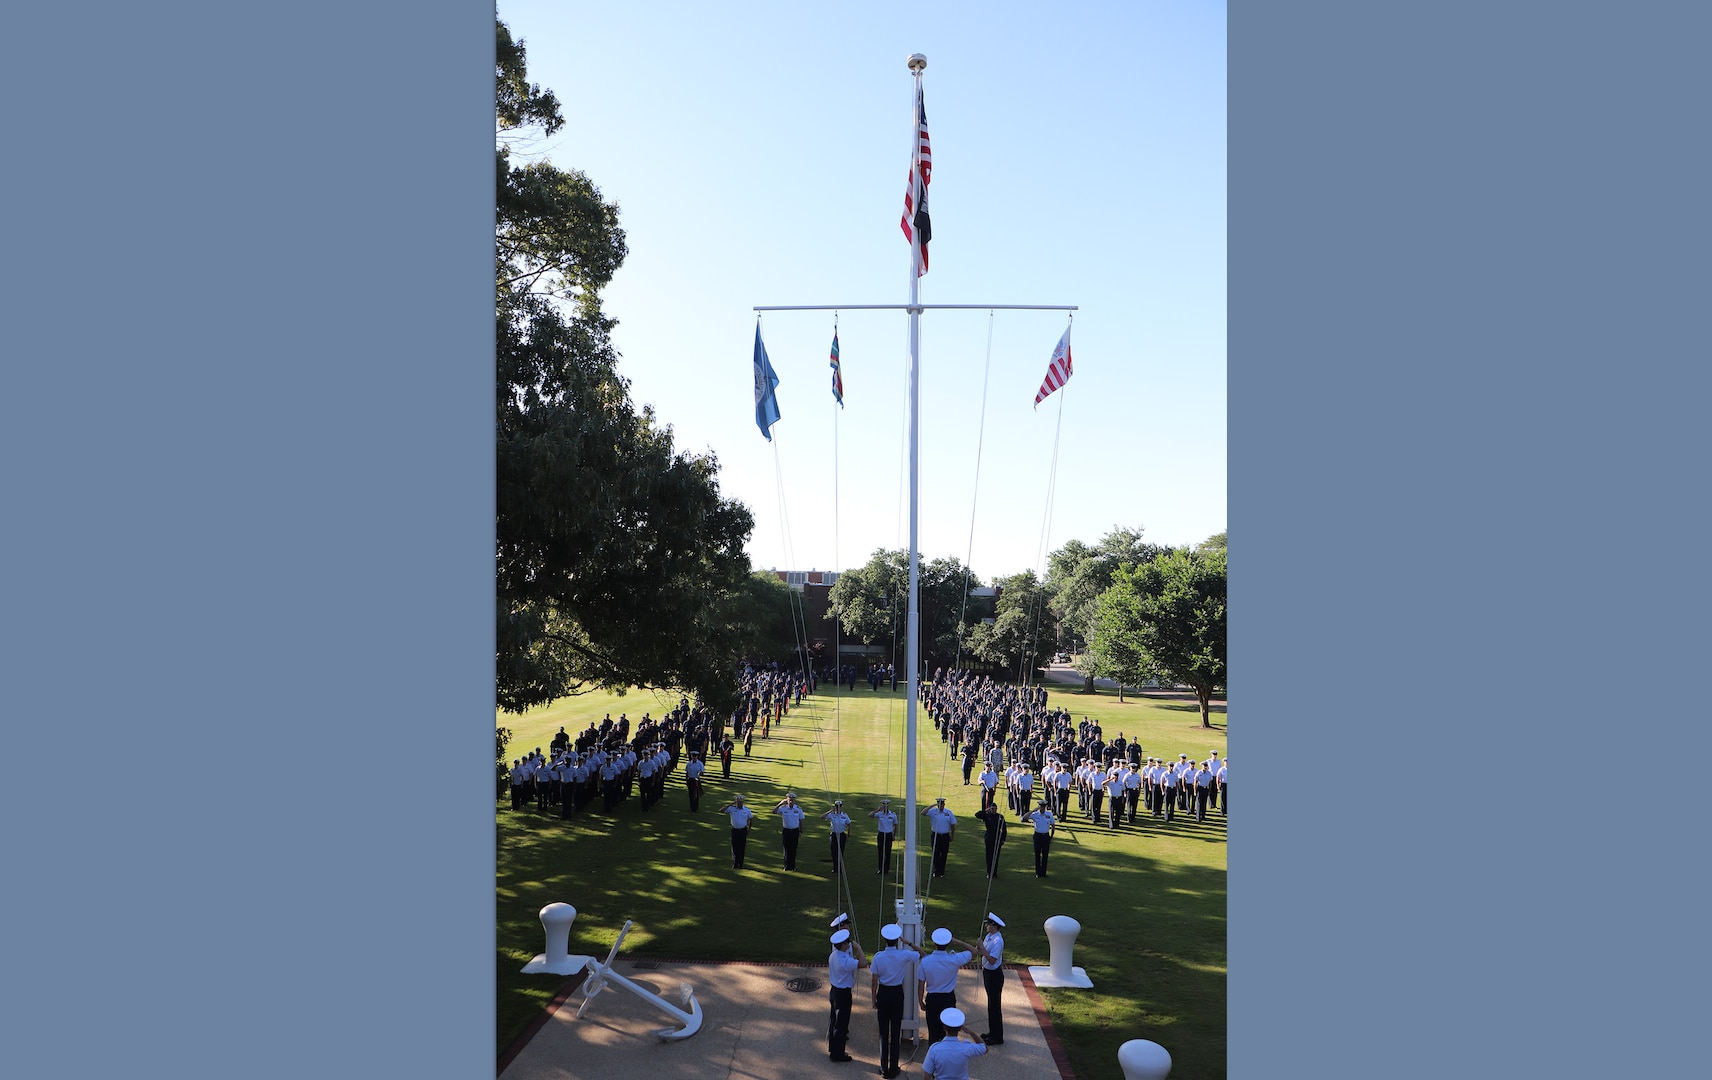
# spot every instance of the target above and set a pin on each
(908, 917)
(908, 906)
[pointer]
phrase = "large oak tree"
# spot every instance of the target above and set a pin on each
(618, 562)
(1165, 619)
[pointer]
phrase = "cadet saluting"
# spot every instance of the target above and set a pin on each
(841, 968)
(889, 968)
(840, 822)
(741, 816)
(793, 816)
(885, 827)
(938, 977)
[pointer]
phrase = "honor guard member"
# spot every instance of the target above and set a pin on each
(995, 836)
(840, 822)
(692, 779)
(1096, 791)
(1185, 781)
(841, 968)
(1213, 766)
(944, 825)
(1044, 823)
(1132, 791)
(891, 966)
(725, 748)
(793, 816)
(993, 978)
(938, 978)
(1061, 802)
(885, 828)
(949, 1059)
(741, 816)
(1224, 792)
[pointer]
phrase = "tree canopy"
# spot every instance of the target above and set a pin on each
(618, 562)
(871, 603)
(1076, 575)
(1165, 619)
(1024, 632)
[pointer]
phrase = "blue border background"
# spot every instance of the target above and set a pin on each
(1468, 383)
(246, 422)
(249, 510)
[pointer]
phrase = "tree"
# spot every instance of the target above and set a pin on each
(1166, 619)
(871, 604)
(617, 559)
(1024, 632)
(1077, 574)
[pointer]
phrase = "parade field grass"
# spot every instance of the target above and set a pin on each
(1150, 897)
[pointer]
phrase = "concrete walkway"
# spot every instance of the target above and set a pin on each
(754, 1028)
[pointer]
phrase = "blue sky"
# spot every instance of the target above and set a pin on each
(758, 155)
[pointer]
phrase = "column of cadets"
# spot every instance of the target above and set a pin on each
(1041, 757)
(607, 762)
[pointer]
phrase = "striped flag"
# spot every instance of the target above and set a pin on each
(917, 228)
(837, 373)
(1058, 371)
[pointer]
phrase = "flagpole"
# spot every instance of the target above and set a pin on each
(908, 918)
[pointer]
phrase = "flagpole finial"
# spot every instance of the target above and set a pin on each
(917, 62)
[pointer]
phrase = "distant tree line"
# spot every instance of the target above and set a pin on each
(1123, 608)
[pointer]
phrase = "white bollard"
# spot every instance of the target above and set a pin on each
(556, 920)
(1061, 931)
(1143, 1060)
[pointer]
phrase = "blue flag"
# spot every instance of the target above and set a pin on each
(766, 404)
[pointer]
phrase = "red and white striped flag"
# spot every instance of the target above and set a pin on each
(1058, 371)
(918, 229)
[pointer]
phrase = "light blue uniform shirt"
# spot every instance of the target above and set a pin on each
(948, 1059)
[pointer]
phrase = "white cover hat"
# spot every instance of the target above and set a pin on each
(841, 937)
(942, 936)
(952, 1017)
(994, 919)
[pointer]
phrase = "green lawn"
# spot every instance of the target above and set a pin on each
(1151, 900)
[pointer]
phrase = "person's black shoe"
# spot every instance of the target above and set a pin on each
(840, 1057)
(990, 1041)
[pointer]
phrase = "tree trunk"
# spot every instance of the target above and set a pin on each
(1088, 686)
(1206, 698)
(1120, 691)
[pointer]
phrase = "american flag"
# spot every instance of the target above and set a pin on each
(917, 228)
(1058, 371)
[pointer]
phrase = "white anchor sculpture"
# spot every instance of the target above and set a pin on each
(601, 974)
